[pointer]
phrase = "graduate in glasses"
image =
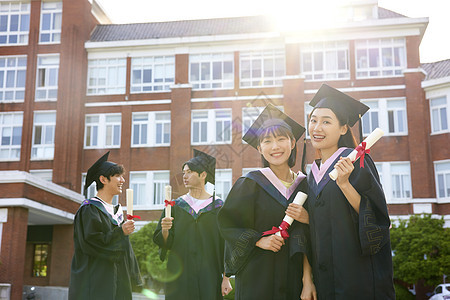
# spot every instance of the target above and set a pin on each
(268, 266)
(349, 220)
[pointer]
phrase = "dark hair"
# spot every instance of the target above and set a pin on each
(346, 140)
(278, 130)
(111, 171)
(197, 168)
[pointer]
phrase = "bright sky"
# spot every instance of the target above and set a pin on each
(435, 44)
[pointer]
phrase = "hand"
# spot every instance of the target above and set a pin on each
(226, 286)
(308, 291)
(344, 168)
(298, 213)
(166, 223)
(272, 242)
(128, 227)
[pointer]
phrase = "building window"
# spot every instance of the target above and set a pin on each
(43, 135)
(249, 115)
(211, 71)
(106, 76)
(380, 57)
(47, 77)
(51, 19)
(152, 74)
(13, 71)
(307, 109)
(388, 114)
(211, 126)
(439, 115)
(223, 180)
(325, 61)
(262, 68)
(151, 129)
(148, 187)
(102, 131)
(442, 171)
(43, 174)
(14, 23)
(40, 264)
(11, 133)
(395, 178)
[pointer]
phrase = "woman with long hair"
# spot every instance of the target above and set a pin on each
(349, 221)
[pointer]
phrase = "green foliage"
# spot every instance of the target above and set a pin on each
(421, 249)
(231, 294)
(147, 254)
(402, 293)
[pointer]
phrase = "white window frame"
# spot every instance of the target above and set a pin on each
(252, 57)
(148, 184)
(386, 174)
(152, 127)
(441, 109)
(44, 72)
(382, 108)
(249, 116)
(446, 174)
(12, 66)
(16, 120)
(329, 52)
(209, 61)
(47, 149)
(54, 9)
(98, 80)
(307, 109)
(22, 11)
(211, 125)
(380, 45)
(103, 126)
(165, 65)
(223, 183)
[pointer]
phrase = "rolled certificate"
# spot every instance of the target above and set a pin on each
(168, 198)
(299, 199)
(130, 202)
(366, 144)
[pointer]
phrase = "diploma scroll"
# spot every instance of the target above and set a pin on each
(281, 230)
(167, 201)
(362, 148)
(130, 202)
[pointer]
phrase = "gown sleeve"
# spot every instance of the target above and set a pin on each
(236, 224)
(373, 219)
(158, 237)
(96, 239)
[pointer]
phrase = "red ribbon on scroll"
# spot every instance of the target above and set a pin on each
(282, 229)
(361, 153)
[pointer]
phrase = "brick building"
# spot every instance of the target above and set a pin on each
(73, 86)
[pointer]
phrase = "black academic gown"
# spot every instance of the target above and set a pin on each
(104, 265)
(253, 206)
(195, 252)
(352, 252)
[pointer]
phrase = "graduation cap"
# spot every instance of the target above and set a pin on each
(344, 106)
(270, 117)
(98, 168)
(205, 162)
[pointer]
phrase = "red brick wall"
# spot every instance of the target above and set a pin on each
(12, 255)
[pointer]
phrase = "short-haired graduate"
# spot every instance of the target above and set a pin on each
(349, 220)
(190, 237)
(268, 267)
(104, 266)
